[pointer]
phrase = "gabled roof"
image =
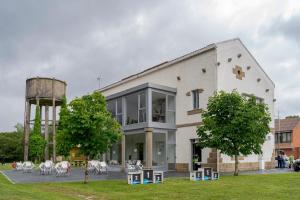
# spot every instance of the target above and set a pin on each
(176, 60)
(238, 39)
(159, 66)
(287, 124)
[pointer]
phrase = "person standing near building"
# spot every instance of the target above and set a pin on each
(283, 160)
(278, 161)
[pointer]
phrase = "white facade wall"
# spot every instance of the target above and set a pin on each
(227, 81)
(217, 77)
(192, 77)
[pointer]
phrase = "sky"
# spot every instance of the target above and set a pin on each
(80, 40)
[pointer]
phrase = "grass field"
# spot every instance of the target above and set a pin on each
(5, 166)
(273, 186)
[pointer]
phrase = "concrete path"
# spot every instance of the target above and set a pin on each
(77, 175)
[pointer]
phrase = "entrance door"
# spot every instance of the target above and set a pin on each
(196, 155)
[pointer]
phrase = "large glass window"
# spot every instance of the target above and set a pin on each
(171, 109)
(142, 107)
(111, 107)
(115, 108)
(158, 107)
(132, 108)
(159, 150)
(119, 113)
(115, 153)
(135, 147)
(171, 157)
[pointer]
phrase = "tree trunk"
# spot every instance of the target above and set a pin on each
(86, 173)
(236, 165)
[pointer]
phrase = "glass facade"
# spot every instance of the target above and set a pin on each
(163, 107)
(135, 147)
(159, 158)
(133, 108)
(171, 145)
(137, 110)
(159, 107)
(115, 108)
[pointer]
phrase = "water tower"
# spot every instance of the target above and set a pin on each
(43, 92)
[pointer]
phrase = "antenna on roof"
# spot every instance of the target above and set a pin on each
(278, 132)
(99, 81)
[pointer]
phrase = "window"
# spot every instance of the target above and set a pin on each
(119, 113)
(258, 99)
(136, 108)
(158, 107)
(132, 108)
(283, 137)
(195, 99)
(111, 107)
(171, 109)
(142, 107)
(115, 108)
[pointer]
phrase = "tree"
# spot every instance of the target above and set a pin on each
(11, 148)
(234, 124)
(19, 128)
(292, 116)
(36, 142)
(88, 125)
(63, 142)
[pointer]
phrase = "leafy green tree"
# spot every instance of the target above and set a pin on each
(11, 145)
(19, 128)
(234, 124)
(63, 142)
(88, 125)
(36, 142)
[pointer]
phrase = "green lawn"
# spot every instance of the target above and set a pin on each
(275, 186)
(5, 166)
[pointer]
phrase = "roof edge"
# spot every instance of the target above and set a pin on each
(158, 67)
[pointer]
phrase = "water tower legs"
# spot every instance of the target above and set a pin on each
(54, 130)
(47, 132)
(26, 129)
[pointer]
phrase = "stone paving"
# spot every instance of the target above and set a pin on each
(77, 175)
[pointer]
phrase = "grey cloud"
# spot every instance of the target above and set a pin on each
(78, 40)
(289, 28)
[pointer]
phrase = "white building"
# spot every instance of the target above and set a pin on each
(159, 108)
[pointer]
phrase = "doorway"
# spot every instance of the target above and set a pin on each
(196, 154)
